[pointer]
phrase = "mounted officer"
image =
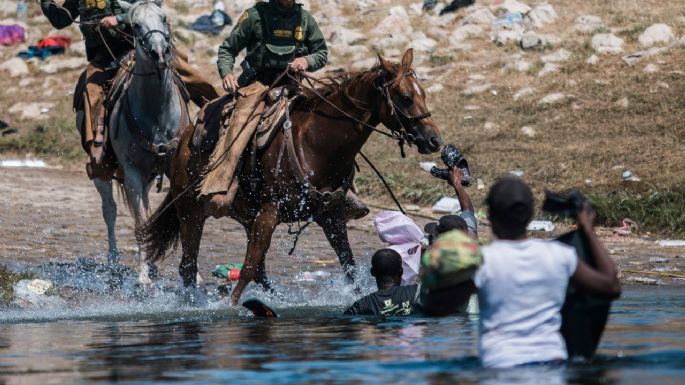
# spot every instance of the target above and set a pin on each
(108, 37)
(277, 34)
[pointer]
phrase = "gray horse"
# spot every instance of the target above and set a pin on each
(143, 122)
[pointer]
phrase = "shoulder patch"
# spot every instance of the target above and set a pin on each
(243, 17)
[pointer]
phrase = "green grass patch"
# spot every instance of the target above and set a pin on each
(57, 138)
(655, 210)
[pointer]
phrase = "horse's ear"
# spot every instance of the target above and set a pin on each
(408, 58)
(158, 2)
(385, 65)
(125, 5)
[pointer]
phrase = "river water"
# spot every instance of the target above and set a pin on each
(158, 341)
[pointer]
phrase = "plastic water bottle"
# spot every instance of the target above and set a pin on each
(22, 10)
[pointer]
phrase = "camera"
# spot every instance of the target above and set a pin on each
(452, 157)
(565, 205)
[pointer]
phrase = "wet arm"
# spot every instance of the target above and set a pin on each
(604, 279)
(316, 45)
(234, 43)
(355, 309)
(60, 17)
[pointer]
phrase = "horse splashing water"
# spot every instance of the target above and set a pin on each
(303, 173)
(145, 118)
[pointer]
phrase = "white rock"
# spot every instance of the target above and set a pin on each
(623, 102)
(478, 15)
(8, 7)
(362, 65)
(464, 32)
(651, 68)
(77, 49)
(398, 11)
(29, 111)
(57, 65)
(490, 126)
(435, 88)
(507, 36)
(394, 24)
(548, 69)
(26, 82)
(15, 67)
(422, 43)
(553, 98)
(592, 60)
(528, 131)
(476, 89)
(399, 41)
(542, 14)
(518, 65)
(513, 6)
(607, 43)
(588, 24)
(530, 40)
(523, 92)
(342, 35)
(559, 56)
(656, 34)
(31, 293)
(549, 39)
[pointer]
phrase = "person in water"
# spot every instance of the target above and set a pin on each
(522, 282)
(465, 221)
(391, 298)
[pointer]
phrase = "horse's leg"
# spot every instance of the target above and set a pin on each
(192, 223)
(258, 242)
(109, 213)
(134, 185)
(333, 225)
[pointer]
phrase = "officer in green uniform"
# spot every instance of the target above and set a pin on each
(104, 27)
(277, 34)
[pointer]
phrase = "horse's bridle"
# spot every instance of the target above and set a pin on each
(144, 41)
(384, 88)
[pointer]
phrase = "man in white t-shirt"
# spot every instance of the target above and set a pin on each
(522, 282)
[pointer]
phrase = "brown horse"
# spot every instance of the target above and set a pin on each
(306, 180)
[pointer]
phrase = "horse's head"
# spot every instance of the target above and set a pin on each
(151, 31)
(403, 105)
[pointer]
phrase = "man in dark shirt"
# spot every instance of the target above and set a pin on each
(391, 298)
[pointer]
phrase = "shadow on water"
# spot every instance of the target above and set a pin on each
(103, 338)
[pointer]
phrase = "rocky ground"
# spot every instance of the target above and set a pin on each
(585, 94)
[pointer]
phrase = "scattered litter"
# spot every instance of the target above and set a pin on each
(588, 182)
(468, 117)
(671, 243)
(517, 173)
(481, 184)
(11, 34)
(659, 260)
(628, 226)
(546, 226)
(645, 280)
(5, 129)
(52, 45)
(30, 163)
(447, 205)
(230, 272)
(44, 110)
(211, 24)
(427, 166)
(412, 208)
(629, 176)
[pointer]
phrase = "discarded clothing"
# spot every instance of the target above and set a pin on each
(51, 45)
(211, 24)
(451, 7)
(11, 34)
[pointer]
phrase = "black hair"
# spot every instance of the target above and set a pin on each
(386, 263)
(452, 222)
(510, 208)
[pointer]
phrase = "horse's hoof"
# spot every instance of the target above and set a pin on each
(194, 297)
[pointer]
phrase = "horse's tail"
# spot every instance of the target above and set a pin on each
(161, 232)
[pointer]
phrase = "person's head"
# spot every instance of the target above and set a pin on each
(510, 208)
(445, 224)
(286, 4)
(386, 267)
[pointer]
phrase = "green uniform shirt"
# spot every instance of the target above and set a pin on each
(90, 11)
(271, 44)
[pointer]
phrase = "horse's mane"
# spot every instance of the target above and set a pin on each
(339, 83)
